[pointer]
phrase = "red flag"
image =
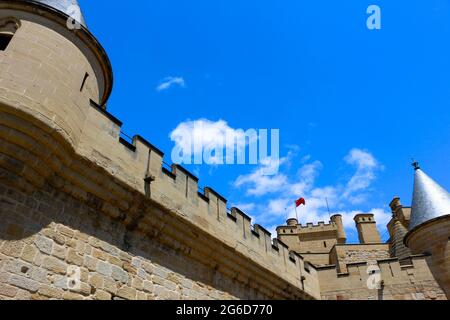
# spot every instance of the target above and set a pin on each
(300, 202)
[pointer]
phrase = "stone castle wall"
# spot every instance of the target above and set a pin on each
(45, 231)
(85, 214)
(413, 281)
(433, 238)
(75, 194)
(343, 254)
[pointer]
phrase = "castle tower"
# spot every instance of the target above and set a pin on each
(51, 68)
(429, 229)
(341, 236)
(367, 228)
(398, 228)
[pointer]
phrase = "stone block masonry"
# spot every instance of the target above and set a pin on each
(54, 218)
(411, 281)
(40, 239)
(85, 214)
(73, 194)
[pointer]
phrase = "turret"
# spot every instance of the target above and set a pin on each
(367, 228)
(341, 236)
(292, 222)
(398, 227)
(59, 71)
(429, 229)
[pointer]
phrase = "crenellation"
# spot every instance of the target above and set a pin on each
(75, 192)
(266, 237)
(243, 221)
(395, 278)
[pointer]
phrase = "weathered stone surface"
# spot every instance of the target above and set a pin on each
(74, 258)
(55, 265)
(104, 268)
(24, 283)
(50, 292)
(7, 290)
(29, 253)
(119, 274)
(127, 293)
(102, 295)
(45, 245)
(72, 195)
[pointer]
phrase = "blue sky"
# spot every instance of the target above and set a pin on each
(353, 105)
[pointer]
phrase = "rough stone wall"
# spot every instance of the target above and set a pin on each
(397, 232)
(45, 232)
(342, 255)
(55, 143)
(398, 228)
(73, 196)
(434, 238)
(410, 282)
(312, 241)
(317, 259)
(41, 68)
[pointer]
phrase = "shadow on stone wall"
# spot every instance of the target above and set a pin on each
(47, 218)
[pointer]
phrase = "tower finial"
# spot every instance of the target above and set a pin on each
(415, 164)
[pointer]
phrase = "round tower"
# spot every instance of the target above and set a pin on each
(52, 69)
(292, 222)
(341, 236)
(429, 229)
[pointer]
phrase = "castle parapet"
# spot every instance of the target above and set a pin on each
(384, 279)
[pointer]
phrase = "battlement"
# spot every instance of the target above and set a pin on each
(308, 228)
(178, 189)
(397, 280)
(77, 192)
(91, 152)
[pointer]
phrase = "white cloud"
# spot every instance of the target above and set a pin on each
(309, 172)
(366, 168)
(205, 140)
(278, 206)
(261, 183)
(214, 143)
(204, 132)
(280, 192)
(246, 207)
(169, 82)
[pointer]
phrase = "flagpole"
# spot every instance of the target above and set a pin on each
(328, 207)
(296, 213)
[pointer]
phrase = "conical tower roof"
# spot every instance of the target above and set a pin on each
(69, 7)
(430, 200)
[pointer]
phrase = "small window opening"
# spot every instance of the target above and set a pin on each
(8, 28)
(306, 267)
(324, 244)
(5, 39)
(86, 76)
